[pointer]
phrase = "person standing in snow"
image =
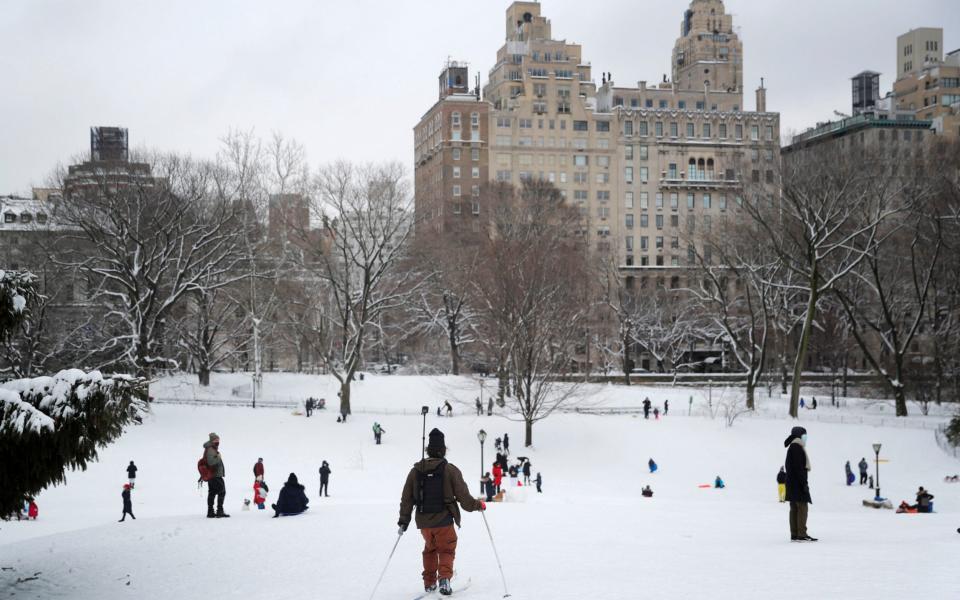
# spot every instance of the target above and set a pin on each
(132, 474)
(127, 503)
(526, 472)
(325, 479)
(497, 475)
(863, 470)
(258, 470)
(488, 489)
(216, 488)
(849, 474)
(539, 482)
(490, 407)
(498, 445)
(506, 443)
(479, 406)
(782, 485)
(646, 408)
(656, 413)
(797, 465)
(292, 500)
(378, 432)
(259, 494)
(448, 407)
(666, 407)
(436, 487)
(309, 406)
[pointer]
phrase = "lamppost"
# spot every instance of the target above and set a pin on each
(876, 450)
(482, 436)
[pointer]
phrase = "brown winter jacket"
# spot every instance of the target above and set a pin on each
(454, 490)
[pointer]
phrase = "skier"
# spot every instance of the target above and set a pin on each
(258, 470)
(132, 473)
(539, 482)
(666, 407)
(259, 494)
(479, 406)
(325, 479)
(646, 408)
(216, 489)
(436, 487)
(127, 503)
(378, 432)
(490, 407)
(497, 476)
(309, 406)
(652, 465)
(782, 485)
(797, 465)
(292, 501)
(849, 472)
(646, 492)
(506, 443)
(526, 472)
(718, 483)
(863, 470)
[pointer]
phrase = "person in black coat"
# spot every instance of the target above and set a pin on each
(506, 441)
(526, 472)
(797, 466)
(539, 482)
(132, 473)
(292, 500)
(127, 503)
(324, 479)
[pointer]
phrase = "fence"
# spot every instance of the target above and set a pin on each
(273, 403)
(941, 434)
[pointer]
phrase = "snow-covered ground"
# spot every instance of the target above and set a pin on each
(590, 534)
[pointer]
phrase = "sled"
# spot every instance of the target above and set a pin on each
(882, 503)
(704, 486)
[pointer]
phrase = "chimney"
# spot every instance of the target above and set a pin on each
(761, 97)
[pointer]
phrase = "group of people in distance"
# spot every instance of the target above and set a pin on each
(647, 406)
(493, 484)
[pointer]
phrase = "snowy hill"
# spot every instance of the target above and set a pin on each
(590, 534)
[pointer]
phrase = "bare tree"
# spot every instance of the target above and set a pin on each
(823, 225)
(532, 292)
(367, 211)
(620, 299)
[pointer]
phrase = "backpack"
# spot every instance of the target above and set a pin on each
(206, 473)
(430, 490)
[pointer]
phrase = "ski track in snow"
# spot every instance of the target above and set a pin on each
(590, 535)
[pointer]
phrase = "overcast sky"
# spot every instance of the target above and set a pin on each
(351, 79)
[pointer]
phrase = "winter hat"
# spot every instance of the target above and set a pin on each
(126, 486)
(797, 431)
(436, 442)
(214, 436)
(292, 479)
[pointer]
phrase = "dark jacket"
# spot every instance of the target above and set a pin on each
(781, 477)
(292, 500)
(325, 474)
(526, 469)
(798, 488)
(132, 471)
(454, 491)
(127, 504)
(863, 466)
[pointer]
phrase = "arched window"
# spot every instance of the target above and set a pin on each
(692, 169)
(709, 168)
(700, 169)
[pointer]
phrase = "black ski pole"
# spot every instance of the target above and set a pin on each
(506, 594)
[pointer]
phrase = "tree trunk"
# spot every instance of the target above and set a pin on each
(345, 396)
(626, 361)
(528, 433)
(454, 352)
(899, 392)
(802, 350)
(751, 391)
(204, 375)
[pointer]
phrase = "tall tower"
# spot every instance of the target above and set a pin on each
(708, 56)
(865, 91)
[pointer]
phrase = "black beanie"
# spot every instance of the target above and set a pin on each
(797, 431)
(292, 479)
(436, 442)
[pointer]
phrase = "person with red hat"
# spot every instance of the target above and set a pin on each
(127, 503)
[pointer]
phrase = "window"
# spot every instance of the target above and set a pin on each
(644, 200)
(41, 218)
(580, 177)
(681, 104)
(475, 154)
(475, 120)
(456, 190)
(526, 123)
(659, 221)
(455, 120)
(628, 174)
(580, 195)
(581, 160)
(644, 153)
(644, 242)
(658, 129)
(540, 89)
(707, 223)
(754, 132)
(691, 223)
(628, 221)
(674, 221)
(769, 177)
(603, 212)
(644, 129)
(644, 174)
(603, 126)
(503, 122)
(707, 201)
(738, 131)
(755, 176)
(691, 255)
(706, 130)
(674, 130)
(658, 241)
(603, 178)
(474, 190)
(644, 220)
(475, 207)
(455, 154)
(663, 104)
(675, 243)
(691, 130)
(691, 201)
(456, 172)
(603, 195)
(628, 152)
(648, 103)
(674, 200)
(456, 208)
(504, 175)
(768, 133)
(603, 161)
(580, 126)
(628, 128)
(672, 171)
(629, 246)
(628, 200)
(722, 202)
(659, 200)
(723, 131)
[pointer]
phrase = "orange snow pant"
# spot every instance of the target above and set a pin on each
(439, 549)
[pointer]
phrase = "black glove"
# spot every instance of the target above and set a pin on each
(403, 527)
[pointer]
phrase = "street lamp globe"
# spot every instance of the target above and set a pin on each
(876, 448)
(482, 436)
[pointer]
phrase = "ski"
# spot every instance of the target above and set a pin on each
(436, 593)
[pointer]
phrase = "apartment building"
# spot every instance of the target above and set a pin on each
(918, 48)
(932, 93)
(651, 167)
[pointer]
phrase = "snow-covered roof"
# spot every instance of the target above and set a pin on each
(22, 214)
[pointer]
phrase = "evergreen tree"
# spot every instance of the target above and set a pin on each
(49, 424)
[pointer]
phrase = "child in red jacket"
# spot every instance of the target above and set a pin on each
(259, 494)
(497, 476)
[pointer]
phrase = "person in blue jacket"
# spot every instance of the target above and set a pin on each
(652, 465)
(292, 500)
(718, 483)
(850, 476)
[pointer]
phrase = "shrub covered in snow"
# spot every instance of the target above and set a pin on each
(49, 424)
